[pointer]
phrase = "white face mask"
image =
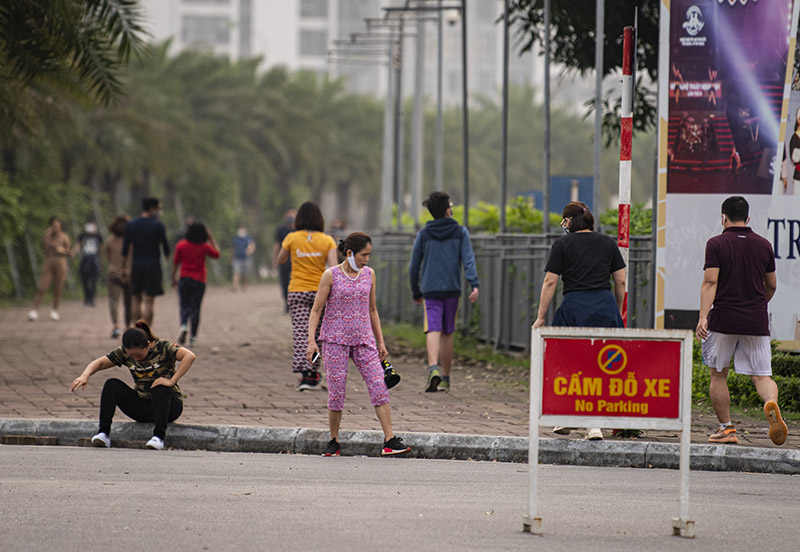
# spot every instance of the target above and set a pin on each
(352, 260)
(90, 228)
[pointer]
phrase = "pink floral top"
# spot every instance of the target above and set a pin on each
(346, 320)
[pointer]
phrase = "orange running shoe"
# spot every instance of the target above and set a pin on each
(777, 427)
(727, 435)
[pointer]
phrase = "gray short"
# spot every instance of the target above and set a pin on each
(242, 266)
(751, 354)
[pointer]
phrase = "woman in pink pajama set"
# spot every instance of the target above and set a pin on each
(351, 328)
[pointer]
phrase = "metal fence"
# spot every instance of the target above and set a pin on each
(511, 271)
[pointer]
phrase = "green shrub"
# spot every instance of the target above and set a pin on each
(784, 364)
(641, 220)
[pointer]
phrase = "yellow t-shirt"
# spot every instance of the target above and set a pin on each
(308, 251)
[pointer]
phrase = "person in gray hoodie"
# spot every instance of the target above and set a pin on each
(442, 247)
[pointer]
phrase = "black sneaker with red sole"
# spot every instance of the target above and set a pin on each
(394, 446)
(333, 448)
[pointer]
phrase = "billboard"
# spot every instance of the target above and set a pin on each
(726, 69)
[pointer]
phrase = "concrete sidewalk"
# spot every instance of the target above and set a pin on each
(241, 384)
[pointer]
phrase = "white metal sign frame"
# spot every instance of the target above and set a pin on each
(532, 521)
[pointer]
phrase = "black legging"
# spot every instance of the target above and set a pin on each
(191, 294)
(89, 271)
(161, 408)
(285, 274)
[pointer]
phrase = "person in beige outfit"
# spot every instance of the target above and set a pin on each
(56, 245)
(118, 284)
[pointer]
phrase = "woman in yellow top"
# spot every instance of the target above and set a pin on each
(309, 249)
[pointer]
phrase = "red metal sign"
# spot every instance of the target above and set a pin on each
(611, 378)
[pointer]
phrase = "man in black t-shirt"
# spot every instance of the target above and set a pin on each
(145, 235)
(738, 282)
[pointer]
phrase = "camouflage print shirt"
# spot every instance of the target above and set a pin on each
(160, 363)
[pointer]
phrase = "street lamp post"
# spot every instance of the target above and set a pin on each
(397, 64)
(598, 105)
(546, 188)
(417, 125)
(378, 49)
(439, 161)
(504, 137)
(461, 7)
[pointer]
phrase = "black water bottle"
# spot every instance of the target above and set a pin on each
(391, 377)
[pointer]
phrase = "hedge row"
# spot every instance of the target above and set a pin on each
(786, 365)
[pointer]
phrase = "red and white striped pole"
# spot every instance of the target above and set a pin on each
(626, 124)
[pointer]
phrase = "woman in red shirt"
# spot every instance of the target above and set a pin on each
(190, 255)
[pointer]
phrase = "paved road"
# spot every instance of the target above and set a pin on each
(243, 377)
(78, 499)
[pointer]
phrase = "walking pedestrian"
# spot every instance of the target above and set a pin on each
(56, 245)
(309, 250)
(738, 281)
(89, 243)
(155, 397)
(586, 261)
(351, 329)
(190, 256)
(441, 248)
(118, 284)
(242, 263)
(284, 270)
(145, 234)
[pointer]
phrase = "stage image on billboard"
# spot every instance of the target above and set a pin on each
(727, 71)
(725, 76)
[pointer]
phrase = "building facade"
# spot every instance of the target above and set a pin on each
(298, 34)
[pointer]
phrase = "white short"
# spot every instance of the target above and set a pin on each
(751, 354)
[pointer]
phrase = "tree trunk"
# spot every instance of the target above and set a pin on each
(342, 201)
(140, 189)
(10, 163)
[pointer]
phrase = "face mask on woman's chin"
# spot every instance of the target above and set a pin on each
(352, 261)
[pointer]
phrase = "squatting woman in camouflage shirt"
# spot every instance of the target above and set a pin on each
(155, 397)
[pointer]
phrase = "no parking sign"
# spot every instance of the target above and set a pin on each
(611, 378)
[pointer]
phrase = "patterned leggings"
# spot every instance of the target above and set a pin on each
(300, 303)
(368, 363)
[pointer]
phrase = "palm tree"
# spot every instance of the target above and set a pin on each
(67, 39)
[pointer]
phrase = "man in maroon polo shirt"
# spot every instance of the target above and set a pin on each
(738, 282)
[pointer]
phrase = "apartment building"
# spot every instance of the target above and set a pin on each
(299, 33)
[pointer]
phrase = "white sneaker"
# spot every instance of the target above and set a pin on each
(101, 440)
(594, 434)
(33, 316)
(54, 315)
(155, 443)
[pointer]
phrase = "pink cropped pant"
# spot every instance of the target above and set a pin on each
(366, 358)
